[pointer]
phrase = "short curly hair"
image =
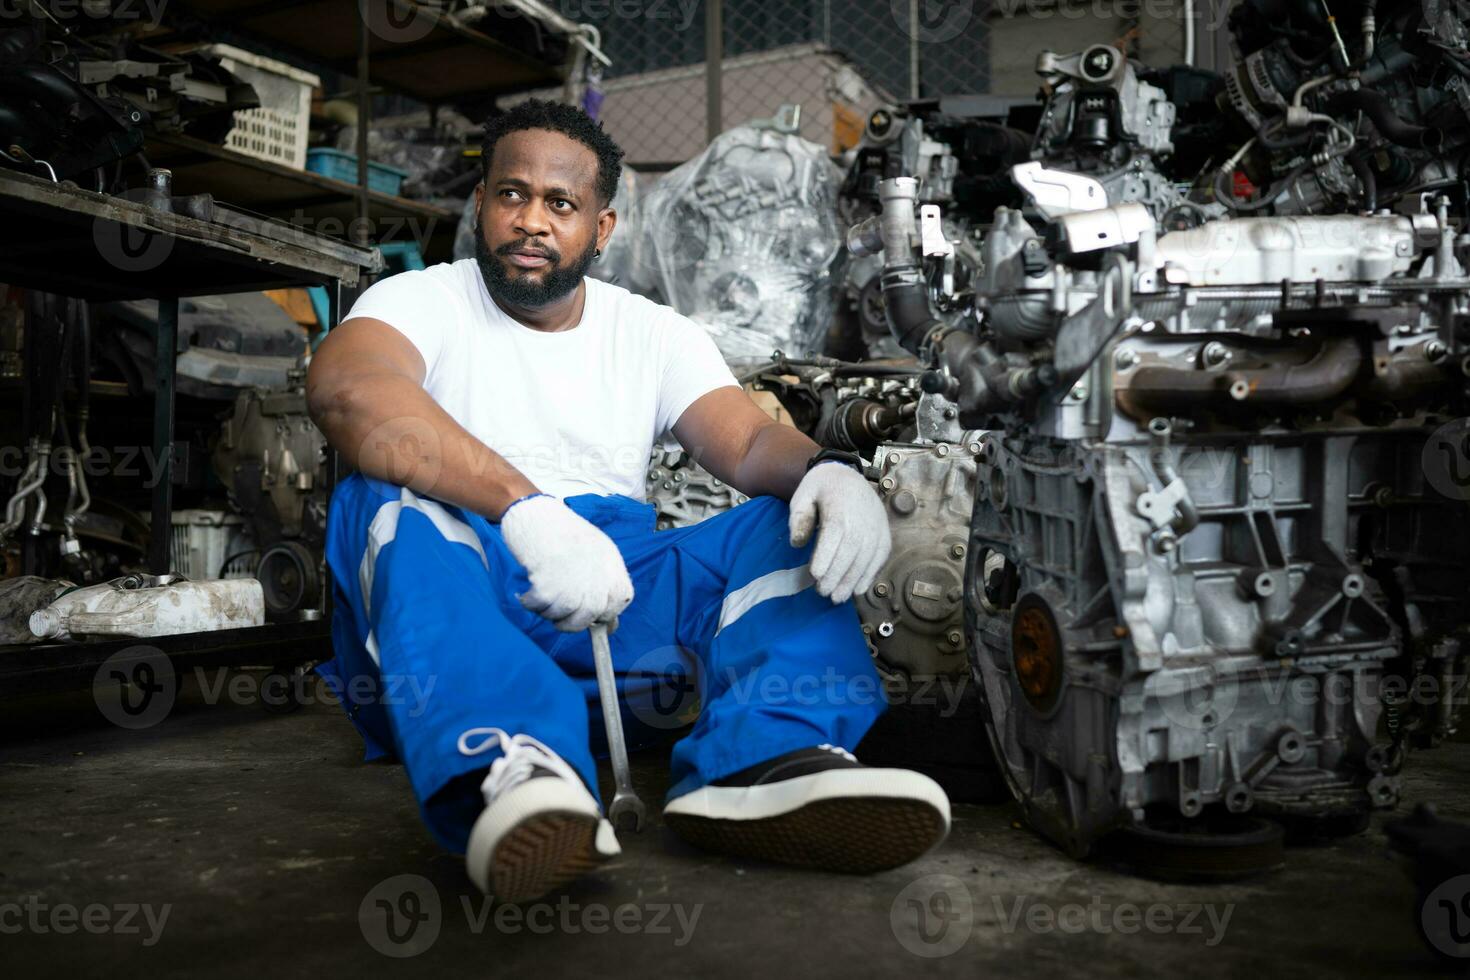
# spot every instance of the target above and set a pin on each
(567, 120)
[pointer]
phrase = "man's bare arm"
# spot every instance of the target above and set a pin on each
(728, 434)
(365, 392)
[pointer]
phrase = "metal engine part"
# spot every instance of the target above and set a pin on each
(75, 102)
(684, 492)
(1103, 122)
(913, 615)
(272, 461)
(1219, 508)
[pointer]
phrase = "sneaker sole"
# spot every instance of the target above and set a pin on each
(541, 853)
(851, 835)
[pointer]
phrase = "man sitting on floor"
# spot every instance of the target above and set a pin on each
(500, 412)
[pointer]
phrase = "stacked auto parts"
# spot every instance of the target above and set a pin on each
(73, 106)
(1213, 532)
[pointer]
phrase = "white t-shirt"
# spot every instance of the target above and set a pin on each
(578, 410)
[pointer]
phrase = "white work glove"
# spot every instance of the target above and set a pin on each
(577, 573)
(853, 541)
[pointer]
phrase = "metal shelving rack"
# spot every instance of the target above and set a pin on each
(433, 57)
(98, 247)
(448, 60)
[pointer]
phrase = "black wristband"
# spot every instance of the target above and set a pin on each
(836, 456)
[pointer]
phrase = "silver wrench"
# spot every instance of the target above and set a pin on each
(625, 801)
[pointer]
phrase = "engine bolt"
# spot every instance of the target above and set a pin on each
(1435, 351)
(1214, 354)
(957, 551)
(1079, 393)
(888, 483)
(881, 589)
(1125, 358)
(955, 637)
(885, 628)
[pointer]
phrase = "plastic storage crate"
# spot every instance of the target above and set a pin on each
(204, 539)
(343, 166)
(278, 130)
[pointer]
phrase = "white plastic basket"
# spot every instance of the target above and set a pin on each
(279, 129)
(204, 539)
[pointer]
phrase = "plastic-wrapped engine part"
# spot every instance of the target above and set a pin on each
(745, 239)
(226, 343)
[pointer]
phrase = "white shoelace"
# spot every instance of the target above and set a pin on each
(522, 753)
(840, 751)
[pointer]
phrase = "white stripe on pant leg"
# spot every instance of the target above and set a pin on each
(772, 585)
(384, 528)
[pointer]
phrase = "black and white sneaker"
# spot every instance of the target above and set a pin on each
(541, 826)
(816, 808)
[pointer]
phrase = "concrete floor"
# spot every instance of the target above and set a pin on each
(263, 836)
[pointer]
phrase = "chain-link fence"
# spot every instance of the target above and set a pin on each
(838, 59)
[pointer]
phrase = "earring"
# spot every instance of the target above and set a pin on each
(597, 253)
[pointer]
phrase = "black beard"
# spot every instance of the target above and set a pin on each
(522, 290)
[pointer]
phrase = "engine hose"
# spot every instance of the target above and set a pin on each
(1376, 107)
(1156, 390)
(1358, 160)
(906, 303)
(1266, 135)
